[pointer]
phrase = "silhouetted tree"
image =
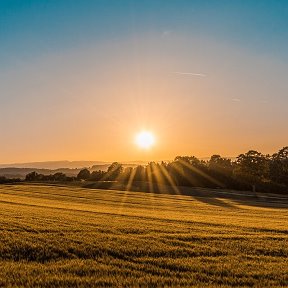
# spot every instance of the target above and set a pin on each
(279, 166)
(59, 177)
(221, 165)
(252, 167)
(193, 172)
(221, 169)
(84, 174)
(33, 176)
(114, 171)
(126, 174)
(4, 180)
(97, 175)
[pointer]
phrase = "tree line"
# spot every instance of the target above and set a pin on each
(5, 180)
(249, 171)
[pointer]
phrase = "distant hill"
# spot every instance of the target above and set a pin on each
(67, 164)
(54, 164)
(11, 172)
(21, 172)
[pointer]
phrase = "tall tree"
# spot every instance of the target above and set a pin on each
(252, 167)
(279, 166)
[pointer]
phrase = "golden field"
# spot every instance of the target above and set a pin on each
(61, 236)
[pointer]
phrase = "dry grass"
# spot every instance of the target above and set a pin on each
(73, 237)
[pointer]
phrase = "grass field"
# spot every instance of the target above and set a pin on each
(53, 236)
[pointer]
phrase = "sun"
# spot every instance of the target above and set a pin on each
(144, 139)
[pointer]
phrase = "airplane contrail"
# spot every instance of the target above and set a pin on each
(191, 74)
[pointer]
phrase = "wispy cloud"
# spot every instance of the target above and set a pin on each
(236, 99)
(190, 74)
(166, 33)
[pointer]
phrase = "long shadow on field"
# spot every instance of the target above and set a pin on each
(221, 197)
(213, 201)
(218, 197)
(215, 197)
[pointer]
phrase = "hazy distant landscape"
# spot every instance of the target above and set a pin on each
(12, 172)
(70, 168)
(54, 165)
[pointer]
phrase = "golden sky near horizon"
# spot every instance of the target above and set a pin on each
(90, 103)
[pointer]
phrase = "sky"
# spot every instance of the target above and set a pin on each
(79, 79)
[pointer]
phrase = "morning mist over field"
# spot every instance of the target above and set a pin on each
(79, 81)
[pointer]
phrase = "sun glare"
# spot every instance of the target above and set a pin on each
(144, 139)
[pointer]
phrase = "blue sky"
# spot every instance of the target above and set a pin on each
(32, 27)
(70, 68)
